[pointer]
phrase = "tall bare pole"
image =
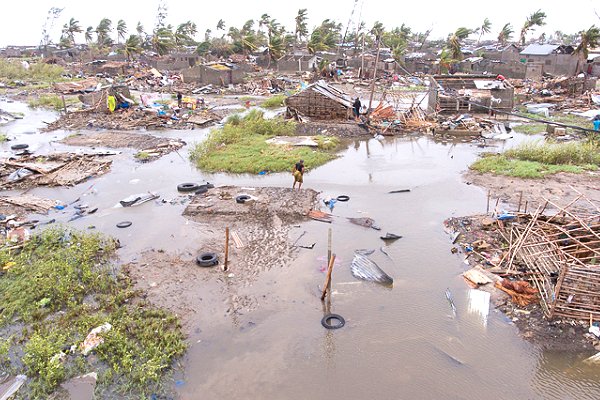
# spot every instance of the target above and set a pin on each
(374, 76)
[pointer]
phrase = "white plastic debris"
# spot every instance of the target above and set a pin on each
(93, 339)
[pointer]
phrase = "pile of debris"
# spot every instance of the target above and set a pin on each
(550, 258)
(466, 124)
(133, 118)
(150, 147)
(60, 169)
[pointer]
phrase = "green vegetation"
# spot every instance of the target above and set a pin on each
(142, 155)
(531, 128)
(39, 71)
(51, 101)
(274, 101)
(3, 137)
(534, 160)
(240, 146)
(60, 286)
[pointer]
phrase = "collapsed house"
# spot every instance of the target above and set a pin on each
(469, 93)
(320, 101)
(551, 59)
(561, 255)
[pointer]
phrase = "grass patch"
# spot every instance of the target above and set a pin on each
(535, 160)
(142, 156)
(38, 71)
(274, 101)
(531, 128)
(59, 287)
(50, 101)
(3, 137)
(240, 146)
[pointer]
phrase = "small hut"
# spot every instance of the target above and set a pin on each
(320, 101)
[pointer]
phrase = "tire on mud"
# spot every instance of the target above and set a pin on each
(207, 260)
(242, 198)
(325, 321)
(187, 187)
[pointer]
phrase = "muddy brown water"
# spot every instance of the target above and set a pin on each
(398, 343)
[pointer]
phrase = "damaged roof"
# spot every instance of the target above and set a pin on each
(330, 92)
(537, 49)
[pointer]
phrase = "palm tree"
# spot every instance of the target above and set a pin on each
(455, 42)
(133, 46)
(485, 28)
(73, 27)
(276, 47)
(184, 34)
(221, 25)
(505, 34)
(140, 29)
(121, 30)
(207, 34)
(103, 32)
(264, 21)
(589, 39)
(163, 40)
(88, 34)
(301, 30)
(535, 19)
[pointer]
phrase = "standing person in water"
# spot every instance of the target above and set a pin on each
(298, 174)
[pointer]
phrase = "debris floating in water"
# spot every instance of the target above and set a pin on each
(364, 268)
(451, 301)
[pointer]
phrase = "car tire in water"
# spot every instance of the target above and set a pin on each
(187, 187)
(325, 321)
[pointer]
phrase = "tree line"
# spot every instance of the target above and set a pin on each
(269, 34)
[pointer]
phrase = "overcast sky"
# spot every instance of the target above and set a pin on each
(22, 21)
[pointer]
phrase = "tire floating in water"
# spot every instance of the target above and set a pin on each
(343, 198)
(340, 321)
(19, 146)
(207, 259)
(124, 224)
(187, 187)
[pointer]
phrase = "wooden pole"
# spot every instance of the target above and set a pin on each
(329, 253)
(520, 199)
(328, 278)
(487, 208)
(226, 248)
(64, 103)
(374, 76)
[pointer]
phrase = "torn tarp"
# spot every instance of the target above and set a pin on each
(364, 268)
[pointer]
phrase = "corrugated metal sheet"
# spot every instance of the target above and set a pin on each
(539, 49)
(332, 93)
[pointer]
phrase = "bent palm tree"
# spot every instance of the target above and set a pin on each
(505, 34)
(484, 29)
(133, 46)
(455, 42)
(121, 30)
(301, 30)
(535, 19)
(589, 39)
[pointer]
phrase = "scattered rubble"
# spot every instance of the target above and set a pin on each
(151, 147)
(59, 169)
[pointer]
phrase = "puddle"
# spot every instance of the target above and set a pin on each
(397, 343)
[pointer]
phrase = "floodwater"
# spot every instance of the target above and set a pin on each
(398, 343)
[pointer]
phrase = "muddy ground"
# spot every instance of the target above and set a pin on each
(153, 145)
(555, 188)
(263, 228)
